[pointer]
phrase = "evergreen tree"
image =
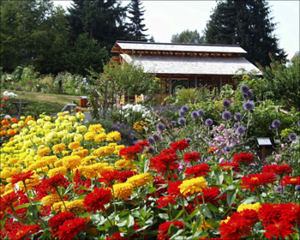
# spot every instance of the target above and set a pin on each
(248, 24)
(188, 36)
(136, 26)
(103, 20)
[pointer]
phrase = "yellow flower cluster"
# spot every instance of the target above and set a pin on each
(122, 190)
(254, 206)
(139, 180)
(193, 185)
(139, 126)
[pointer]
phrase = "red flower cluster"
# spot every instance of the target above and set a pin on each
(97, 199)
(197, 170)
(21, 177)
(189, 157)
(116, 236)
(23, 231)
(290, 180)
(278, 219)
(80, 181)
(239, 225)
(8, 200)
(277, 169)
(245, 158)
(252, 181)
(58, 220)
(55, 181)
(165, 200)
(164, 228)
(230, 166)
(71, 228)
(173, 188)
(180, 145)
(123, 175)
(108, 177)
(210, 196)
(165, 161)
(130, 152)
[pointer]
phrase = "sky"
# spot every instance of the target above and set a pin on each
(165, 18)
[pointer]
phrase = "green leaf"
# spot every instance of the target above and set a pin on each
(212, 207)
(22, 206)
(130, 221)
(163, 216)
(206, 211)
(231, 195)
(179, 214)
(193, 214)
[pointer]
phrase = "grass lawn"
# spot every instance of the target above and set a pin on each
(40, 102)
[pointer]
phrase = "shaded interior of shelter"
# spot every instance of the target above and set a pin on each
(185, 65)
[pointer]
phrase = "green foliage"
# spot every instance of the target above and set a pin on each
(248, 24)
(188, 36)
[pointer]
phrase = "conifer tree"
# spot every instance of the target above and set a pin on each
(137, 28)
(248, 24)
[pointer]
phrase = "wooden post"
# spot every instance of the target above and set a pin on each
(220, 84)
(263, 153)
(170, 87)
(196, 82)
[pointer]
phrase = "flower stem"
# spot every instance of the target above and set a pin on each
(258, 195)
(61, 198)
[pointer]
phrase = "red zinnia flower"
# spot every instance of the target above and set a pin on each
(290, 180)
(279, 230)
(96, 200)
(130, 152)
(108, 177)
(71, 228)
(5, 99)
(57, 180)
(164, 228)
(197, 170)
(173, 188)
(230, 166)
(188, 157)
(21, 177)
(78, 181)
(255, 180)
(116, 236)
(180, 145)
(210, 195)
(166, 160)
(165, 200)
(123, 175)
(59, 219)
(245, 158)
(278, 169)
(8, 200)
(23, 231)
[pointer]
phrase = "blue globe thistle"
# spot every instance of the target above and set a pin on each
(236, 125)
(188, 140)
(150, 150)
(250, 94)
(297, 188)
(276, 123)
(237, 116)
(151, 140)
(156, 137)
(227, 148)
(181, 113)
(184, 108)
(244, 89)
(226, 103)
(240, 130)
(209, 122)
(181, 121)
(248, 106)
(292, 136)
(226, 115)
(201, 113)
(194, 114)
(161, 127)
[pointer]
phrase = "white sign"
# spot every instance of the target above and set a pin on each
(264, 141)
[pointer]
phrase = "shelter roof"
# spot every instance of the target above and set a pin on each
(191, 65)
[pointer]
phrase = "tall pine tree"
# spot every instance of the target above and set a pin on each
(248, 24)
(103, 20)
(137, 28)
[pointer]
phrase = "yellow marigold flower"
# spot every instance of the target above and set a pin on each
(103, 151)
(75, 206)
(139, 180)
(96, 128)
(89, 136)
(99, 137)
(43, 151)
(78, 137)
(59, 207)
(13, 160)
(87, 171)
(81, 129)
(113, 136)
(74, 145)
(88, 160)
(123, 163)
(122, 190)
(49, 159)
(245, 77)
(59, 147)
(226, 220)
(82, 153)
(118, 148)
(50, 199)
(35, 180)
(71, 161)
(7, 172)
(58, 163)
(254, 206)
(193, 185)
(64, 153)
(58, 170)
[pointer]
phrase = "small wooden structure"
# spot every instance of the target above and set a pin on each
(185, 65)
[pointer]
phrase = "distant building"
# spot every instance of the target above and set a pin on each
(185, 65)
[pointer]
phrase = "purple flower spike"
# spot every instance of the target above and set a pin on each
(226, 104)
(181, 113)
(248, 106)
(209, 122)
(184, 108)
(238, 116)
(226, 115)
(244, 89)
(292, 137)
(151, 140)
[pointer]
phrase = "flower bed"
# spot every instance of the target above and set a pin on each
(63, 180)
